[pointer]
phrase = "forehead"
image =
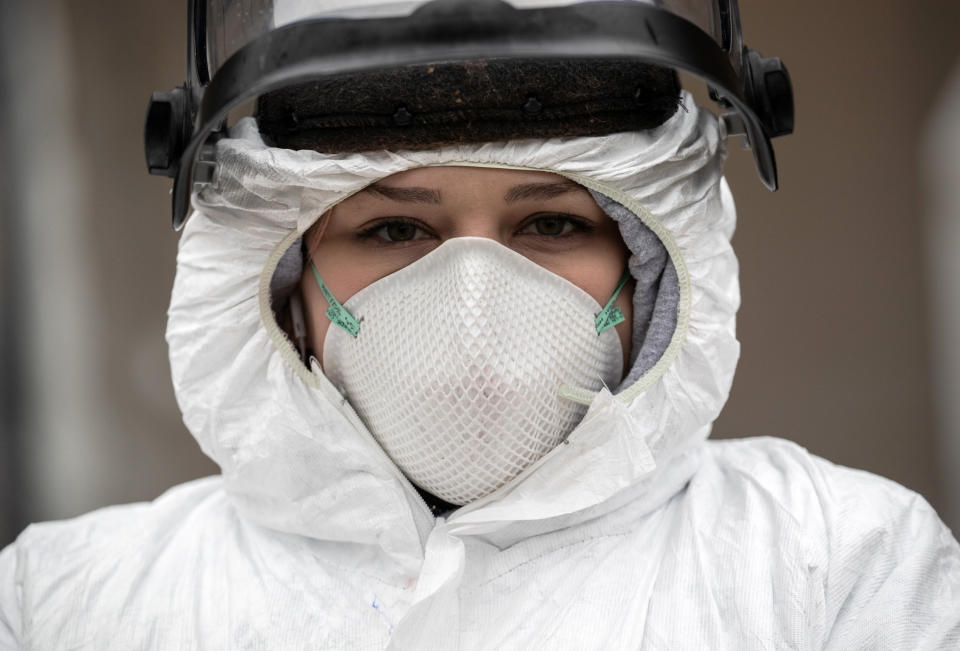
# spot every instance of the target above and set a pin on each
(449, 176)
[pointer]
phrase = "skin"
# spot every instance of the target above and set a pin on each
(544, 217)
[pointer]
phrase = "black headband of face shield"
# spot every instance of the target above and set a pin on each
(426, 107)
(285, 65)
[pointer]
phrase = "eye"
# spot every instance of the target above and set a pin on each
(398, 231)
(394, 230)
(554, 226)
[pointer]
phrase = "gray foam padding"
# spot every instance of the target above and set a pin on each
(286, 277)
(656, 296)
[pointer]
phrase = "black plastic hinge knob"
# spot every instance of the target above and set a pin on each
(769, 92)
(166, 131)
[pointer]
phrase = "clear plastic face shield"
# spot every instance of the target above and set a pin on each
(231, 24)
(239, 50)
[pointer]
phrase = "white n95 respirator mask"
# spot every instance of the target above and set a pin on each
(455, 361)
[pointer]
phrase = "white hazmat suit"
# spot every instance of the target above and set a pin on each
(312, 538)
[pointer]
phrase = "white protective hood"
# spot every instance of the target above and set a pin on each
(635, 534)
(296, 458)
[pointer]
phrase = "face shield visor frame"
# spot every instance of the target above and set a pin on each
(224, 26)
(183, 125)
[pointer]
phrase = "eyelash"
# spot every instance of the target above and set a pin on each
(370, 233)
(579, 225)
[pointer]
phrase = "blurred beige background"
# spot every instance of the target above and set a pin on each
(850, 289)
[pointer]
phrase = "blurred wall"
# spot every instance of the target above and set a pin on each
(834, 324)
(941, 171)
(100, 424)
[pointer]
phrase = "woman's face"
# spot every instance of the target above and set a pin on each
(546, 218)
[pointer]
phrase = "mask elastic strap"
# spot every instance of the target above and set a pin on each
(337, 313)
(611, 315)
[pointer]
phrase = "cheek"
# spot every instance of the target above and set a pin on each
(597, 269)
(599, 279)
(344, 277)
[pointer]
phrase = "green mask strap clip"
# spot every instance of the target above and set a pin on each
(337, 313)
(611, 315)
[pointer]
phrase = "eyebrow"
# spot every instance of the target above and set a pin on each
(539, 191)
(405, 194)
(522, 192)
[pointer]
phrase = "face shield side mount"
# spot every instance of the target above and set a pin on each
(184, 124)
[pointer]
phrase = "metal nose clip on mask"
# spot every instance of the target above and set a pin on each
(454, 363)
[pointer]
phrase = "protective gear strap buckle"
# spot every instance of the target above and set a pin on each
(612, 315)
(337, 313)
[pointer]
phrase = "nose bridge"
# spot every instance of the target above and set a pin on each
(479, 225)
(476, 207)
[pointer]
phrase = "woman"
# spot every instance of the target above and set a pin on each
(460, 396)
(603, 521)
